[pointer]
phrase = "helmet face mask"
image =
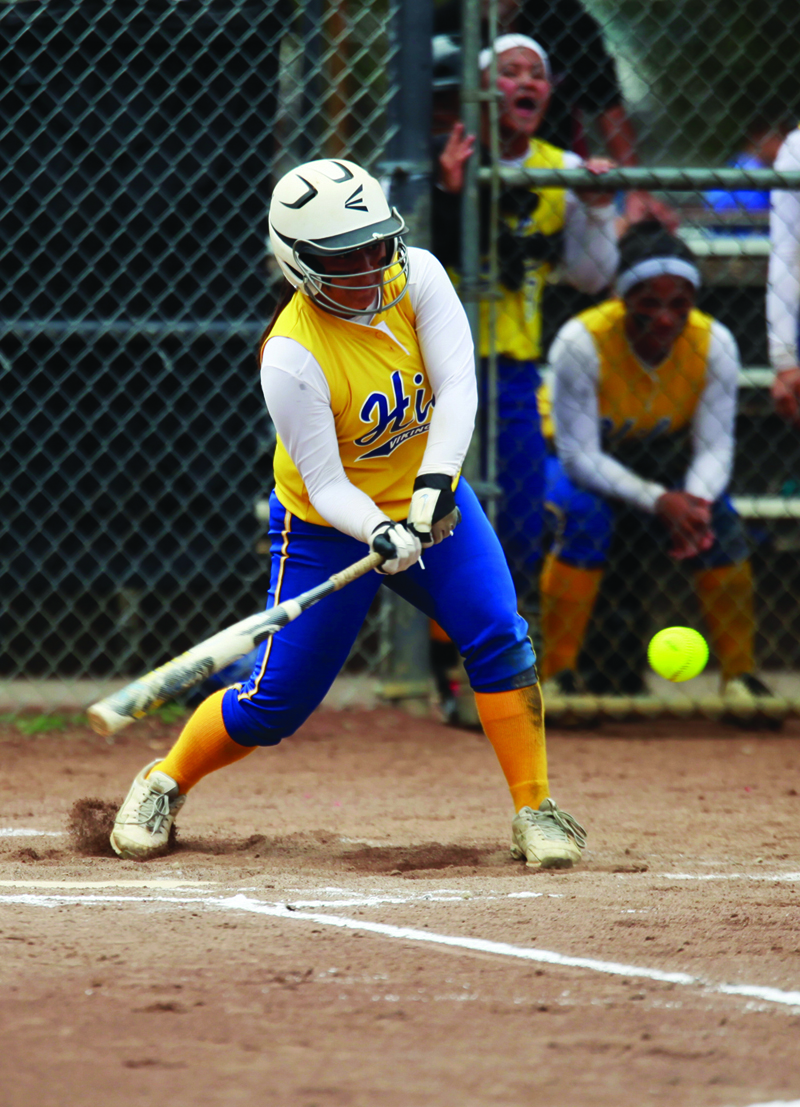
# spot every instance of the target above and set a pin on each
(325, 286)
(331, 209)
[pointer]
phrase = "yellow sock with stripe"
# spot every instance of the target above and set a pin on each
(567, 599)
(203, 746)
(726, 598)
(514, 724)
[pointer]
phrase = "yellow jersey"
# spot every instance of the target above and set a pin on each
(381, 400)
(519, 314)
(646, 413)
(635, 401)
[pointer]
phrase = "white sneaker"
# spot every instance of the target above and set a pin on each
(142, 826)
(548, 838)
(747, 704)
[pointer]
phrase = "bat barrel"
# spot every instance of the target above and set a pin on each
(158, 687)
(105, 721)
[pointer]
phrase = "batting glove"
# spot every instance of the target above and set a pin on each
(397, 544)
(433, 512)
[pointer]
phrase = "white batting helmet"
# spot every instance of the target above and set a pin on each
(332, 207)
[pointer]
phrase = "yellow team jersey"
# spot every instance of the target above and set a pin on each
(518, 314)
(635, 402)
(381, 399)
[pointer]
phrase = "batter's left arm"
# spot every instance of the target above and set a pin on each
(448, 352)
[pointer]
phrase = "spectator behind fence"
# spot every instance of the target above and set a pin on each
(644, 401)
(762, 143)
(584, 82)
(539, 230)
(783, 287)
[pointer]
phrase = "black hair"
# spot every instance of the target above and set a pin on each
(651, 239)
(285, 294)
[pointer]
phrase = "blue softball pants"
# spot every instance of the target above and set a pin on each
(465, 586)
(521, 457)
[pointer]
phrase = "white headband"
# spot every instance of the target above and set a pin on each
(508, 42)
(657, 267)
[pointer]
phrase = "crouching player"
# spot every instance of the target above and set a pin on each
(644, 401)
(368, 373)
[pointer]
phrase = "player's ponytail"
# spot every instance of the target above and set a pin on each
(285, 294)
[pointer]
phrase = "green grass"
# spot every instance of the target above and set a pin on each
(46, 723)
(171, 712)
(42, 724)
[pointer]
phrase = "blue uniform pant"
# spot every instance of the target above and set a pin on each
(521, 456)
(465, 586)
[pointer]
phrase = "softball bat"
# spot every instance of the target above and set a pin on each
(163, 684)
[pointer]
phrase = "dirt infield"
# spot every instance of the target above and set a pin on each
(341, 924)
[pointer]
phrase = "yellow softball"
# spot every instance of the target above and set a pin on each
(678, 653)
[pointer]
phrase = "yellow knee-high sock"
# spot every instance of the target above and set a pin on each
(203, 746)
(514, 724)
(568, 597)
(726, 598)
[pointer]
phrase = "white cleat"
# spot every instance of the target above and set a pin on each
(548, 838)
(747, 704)
(143, 823)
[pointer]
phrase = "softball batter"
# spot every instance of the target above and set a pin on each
(368, 374)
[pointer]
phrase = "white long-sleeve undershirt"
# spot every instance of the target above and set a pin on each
(590, 240)
(299, 402)
(576, 368)
(783, 279)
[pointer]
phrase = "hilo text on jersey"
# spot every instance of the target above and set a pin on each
(377, 410)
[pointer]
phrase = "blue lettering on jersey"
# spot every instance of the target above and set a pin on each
(662, 427)
(422, 409)
(376, 409)
(395, 441)
(610, 433)
(627, 428)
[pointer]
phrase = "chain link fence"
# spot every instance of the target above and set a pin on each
(140, 141)
(671, 87)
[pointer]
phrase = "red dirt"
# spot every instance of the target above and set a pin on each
(128, 995)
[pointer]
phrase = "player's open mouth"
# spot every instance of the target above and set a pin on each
(526, 105)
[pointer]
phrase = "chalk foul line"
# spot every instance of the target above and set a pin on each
(241, 902)
(482, 945)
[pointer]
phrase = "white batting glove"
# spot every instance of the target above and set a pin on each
(397, 544)
(433, 512)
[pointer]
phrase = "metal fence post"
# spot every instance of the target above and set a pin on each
(409, 170)
(469, 290)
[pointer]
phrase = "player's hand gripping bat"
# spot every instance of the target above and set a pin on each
(158, 687)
